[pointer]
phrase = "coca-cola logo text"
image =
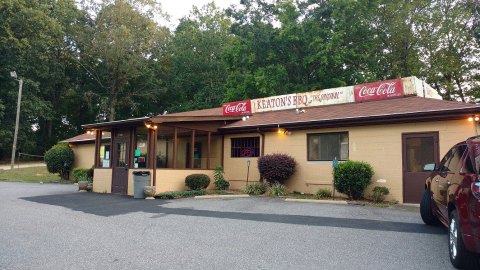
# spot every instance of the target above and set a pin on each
(382, 89)
(237, 108)
(378, 90)
(240, 107)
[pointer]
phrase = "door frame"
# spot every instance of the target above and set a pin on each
(436, 151)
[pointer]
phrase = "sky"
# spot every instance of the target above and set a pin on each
(179, 8)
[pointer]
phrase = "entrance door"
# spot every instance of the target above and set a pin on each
(418, 149)
(121, 156)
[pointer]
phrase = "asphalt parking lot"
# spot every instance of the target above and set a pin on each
(52, 226)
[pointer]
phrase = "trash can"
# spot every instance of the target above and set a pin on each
(141, 179)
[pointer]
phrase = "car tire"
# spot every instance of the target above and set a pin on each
(460, 257)
(426, 209)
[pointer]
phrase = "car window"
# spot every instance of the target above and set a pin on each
(452, 160)
(468, 165)
(443, 167)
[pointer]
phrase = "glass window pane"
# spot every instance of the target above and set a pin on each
(328, 146)
(245, 147)
(105, 151)
(420, 151)
(141, 148)
(121, 152)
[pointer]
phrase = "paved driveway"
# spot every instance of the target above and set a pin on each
(53, 227)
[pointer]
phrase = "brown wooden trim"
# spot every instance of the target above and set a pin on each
(185, 169)
(149, 144)
(209, 150)
(154, 160)
(223, 151)
(357, 121)
(175, 147)
(192, 149)
(133, 145)
(98, 137)
(263, 144)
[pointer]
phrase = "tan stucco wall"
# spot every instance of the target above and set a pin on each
(236, 168)
(84, 155)
(381, 146)
(102, 180)
(174, 180)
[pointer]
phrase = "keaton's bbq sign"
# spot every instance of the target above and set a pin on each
(357, 93)
(237, 108)
(378, 90)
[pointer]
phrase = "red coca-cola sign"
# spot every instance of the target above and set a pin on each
(378, 90)
(237, 108)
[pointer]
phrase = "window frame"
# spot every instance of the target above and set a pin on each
(257, 148)
(329, 133)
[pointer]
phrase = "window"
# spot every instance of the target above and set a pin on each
(141, 148)
(327, 146)
(245, 147)
(104, 150)
(452, 160)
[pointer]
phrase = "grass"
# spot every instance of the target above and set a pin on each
(30, 175)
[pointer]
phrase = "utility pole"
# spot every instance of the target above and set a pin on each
(13, 74)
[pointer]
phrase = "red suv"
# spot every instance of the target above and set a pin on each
(452, 197)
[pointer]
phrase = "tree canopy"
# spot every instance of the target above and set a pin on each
(89, 61)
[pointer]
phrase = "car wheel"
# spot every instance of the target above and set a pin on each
(426, 209)
(459, 256)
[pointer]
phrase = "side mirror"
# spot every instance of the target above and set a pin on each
(430, 167)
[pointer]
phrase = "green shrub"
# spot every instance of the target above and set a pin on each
(59, 159)
(352, 178)
(255, 188)
(276, 167)
(80, 173)
(277, 189)
(323, 194)
(220, 182)
(197, 181)
(379, 193)
(180, 194)
(90, 173)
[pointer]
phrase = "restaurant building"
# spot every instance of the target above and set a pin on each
(397, 126)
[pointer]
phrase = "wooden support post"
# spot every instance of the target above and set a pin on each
(209, 152)
(192, 149)
(98, 138)
(175, 147)
(154, 155)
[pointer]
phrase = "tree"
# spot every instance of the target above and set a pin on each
(198, 72)
(121, 46)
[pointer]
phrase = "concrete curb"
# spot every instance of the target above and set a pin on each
(222, 196)
(316, 201)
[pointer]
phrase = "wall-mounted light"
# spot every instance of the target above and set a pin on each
(245, 118)
(278, 129)
(299, 111)
(473, 118)
(90, 132)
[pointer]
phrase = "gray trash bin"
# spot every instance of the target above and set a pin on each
(141, 179)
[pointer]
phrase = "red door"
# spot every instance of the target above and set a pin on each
(121, 156)
(418, 149)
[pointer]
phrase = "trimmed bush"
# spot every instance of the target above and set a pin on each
(352, 178)
(277, 189)
(59, 159)
(379, 193)
(255, 189)
(276, 167)
(197, 181)
(180, 194)
(323, 194)
(220, 182)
